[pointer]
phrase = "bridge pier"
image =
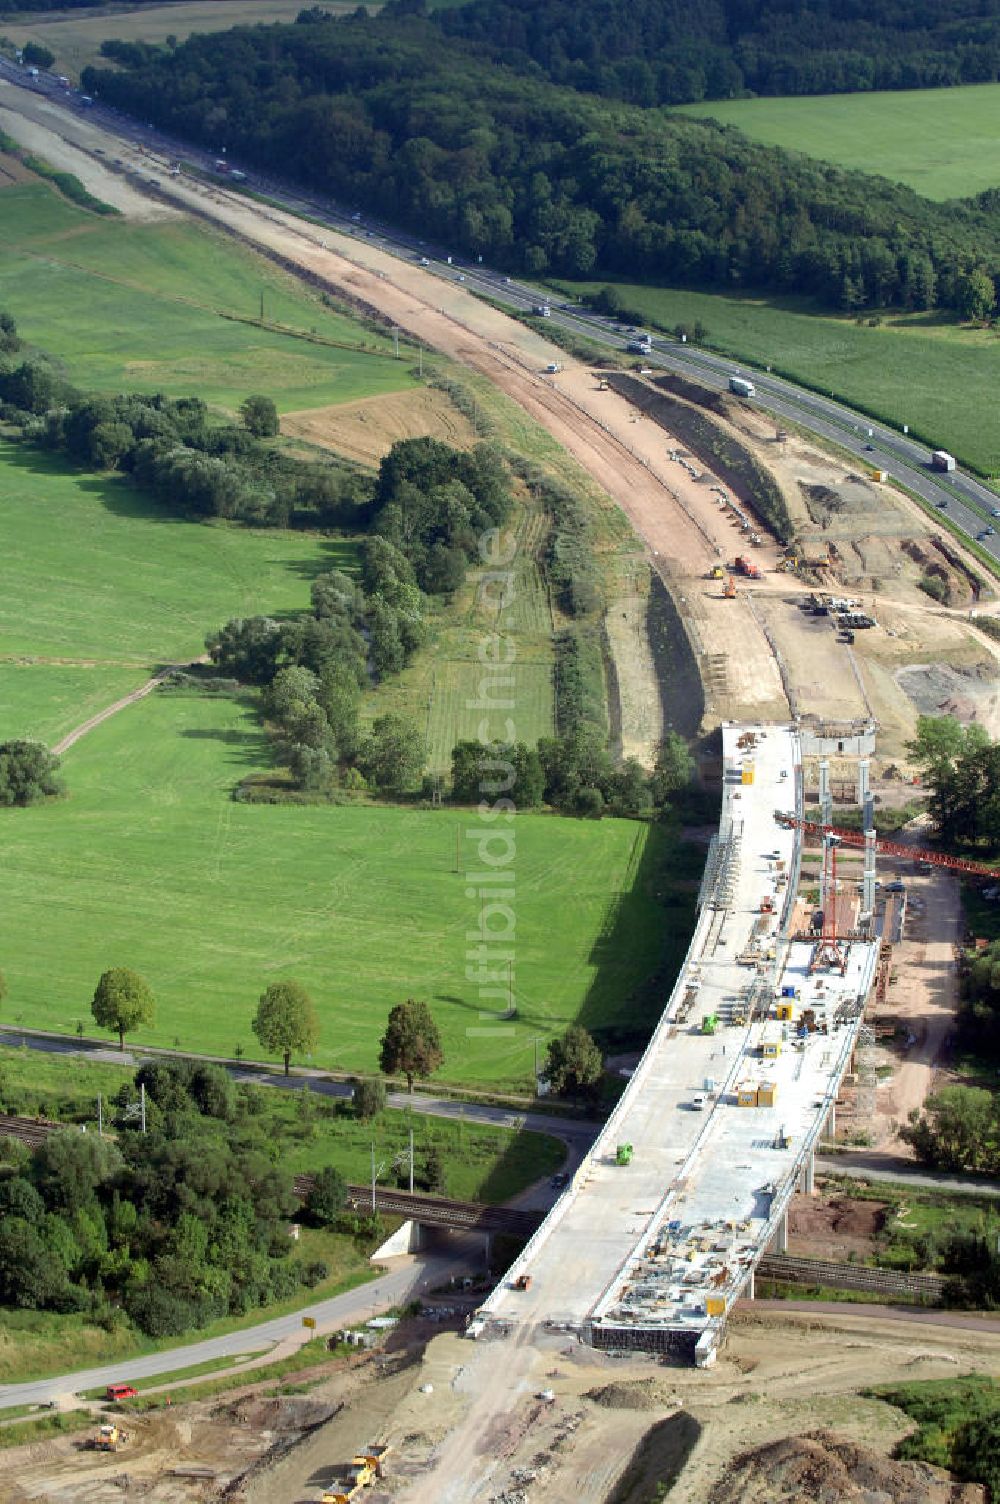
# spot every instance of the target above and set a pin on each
(830, 1130)
(807, 1178)
(779, 1243)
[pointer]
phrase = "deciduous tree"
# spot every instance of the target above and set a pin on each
(286, 1020)
(574, 1065)
(122, 1001)
(411, 1044)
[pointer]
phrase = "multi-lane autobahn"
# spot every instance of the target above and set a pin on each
(969, 504)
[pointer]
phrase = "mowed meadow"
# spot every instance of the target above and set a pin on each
(172, 307)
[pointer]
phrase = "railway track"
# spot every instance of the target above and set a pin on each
(30, 1131)
(862, 1277)
(434, 1211)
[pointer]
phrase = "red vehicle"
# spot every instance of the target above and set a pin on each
(120, 1392)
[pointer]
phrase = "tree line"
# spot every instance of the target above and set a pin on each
(653, 52)
(427, 130)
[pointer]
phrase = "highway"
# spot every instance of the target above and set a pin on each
(970, 505)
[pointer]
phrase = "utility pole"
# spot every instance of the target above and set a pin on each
(100, 1117)
(373, 1177)
(142, 1106)
(262, 305)
(510, 988)
(395, 343)
(411, 1161)
(420, 361)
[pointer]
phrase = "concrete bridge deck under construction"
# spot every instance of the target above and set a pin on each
(722, 1114)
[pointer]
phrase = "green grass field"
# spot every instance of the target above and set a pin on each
(914, 368)
(945, 143)
(141, 308)
(45, 700)
(91, 571)
(149, 863)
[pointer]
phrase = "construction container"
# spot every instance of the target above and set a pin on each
(710, 1023)
(623, 1155)
(715, 1305)
(746, 1095)
(767, 1093)
(770, 1042)
(747, 775)
(784, 1010)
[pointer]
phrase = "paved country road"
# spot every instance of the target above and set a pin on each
(414, 1277)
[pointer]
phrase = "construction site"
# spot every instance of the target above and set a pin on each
(621, 1344)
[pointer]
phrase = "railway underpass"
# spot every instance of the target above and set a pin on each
(688, 1184)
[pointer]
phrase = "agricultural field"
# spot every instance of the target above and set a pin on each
(91, 572)
(915, 368)
(75, 37)
(150, 863)
(944, 143)
(171, 307)
(43, 701)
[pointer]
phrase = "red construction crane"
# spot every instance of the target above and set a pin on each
(888, 848)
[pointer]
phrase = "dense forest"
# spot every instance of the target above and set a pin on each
(671, 52)
(542, 179)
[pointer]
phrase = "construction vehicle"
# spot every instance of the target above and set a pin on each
(746, 567)
(109, 1438)
(709, 1023)
(716, 572)
(729, 593)
(365, 1467)
(602, 385)
(523, 1282)
(623, 1154)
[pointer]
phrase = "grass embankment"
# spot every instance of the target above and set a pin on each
(918, 368)
(479, 1163)
(159, 308)
(944, 143)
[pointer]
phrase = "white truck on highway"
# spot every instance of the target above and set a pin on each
(742, 387)
(942, 460)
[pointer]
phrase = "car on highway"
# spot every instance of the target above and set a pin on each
(424, 261)
(983, 534)
(995, 511)
(560, 1181)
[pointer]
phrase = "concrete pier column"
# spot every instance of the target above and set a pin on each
(830, 1130)
(825, 798)
(864, 767)
(750, 1287)
(780, 1244)
(808, 1177)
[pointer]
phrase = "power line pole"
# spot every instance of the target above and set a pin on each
(262, 305)
(100, 1117)
(411, 1161)
(142, 1106)
(373, 1177)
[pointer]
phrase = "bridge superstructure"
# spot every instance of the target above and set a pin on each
(689, 1182)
